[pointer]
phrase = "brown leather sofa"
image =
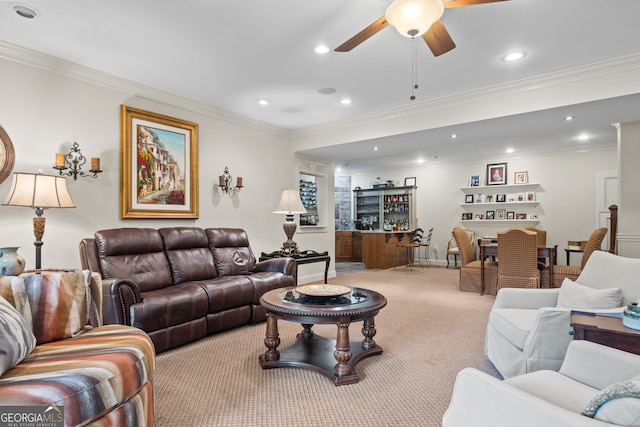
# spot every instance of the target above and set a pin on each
(180, 284)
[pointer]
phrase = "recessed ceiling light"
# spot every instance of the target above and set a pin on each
(263, 102)
(321, 49)
(454, 136)
(568, 118)
(24, 11)
(421, 160)
(513, 56)
(583, 137)
(509, 150)
(376, 148)
(345, 101)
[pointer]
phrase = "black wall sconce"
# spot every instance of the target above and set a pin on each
(73, 161)
(225, 183)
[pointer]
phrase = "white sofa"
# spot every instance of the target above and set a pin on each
(529, 329)
(548, 398)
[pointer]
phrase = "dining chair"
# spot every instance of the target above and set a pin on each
(573, 271)
(409, 248)
(470, 279)
(518, 259)
(452, 247)
(541, 235)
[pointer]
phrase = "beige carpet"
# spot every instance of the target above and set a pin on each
(429, 331)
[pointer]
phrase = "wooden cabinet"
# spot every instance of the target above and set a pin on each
(379, 207)
(348, 246)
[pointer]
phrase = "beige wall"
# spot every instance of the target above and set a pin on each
(629, 194)
(44, 111)
(567, 195)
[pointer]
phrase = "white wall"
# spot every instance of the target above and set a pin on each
(567, 195)
(44, 111)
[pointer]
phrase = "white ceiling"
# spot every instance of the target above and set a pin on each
(230, 54)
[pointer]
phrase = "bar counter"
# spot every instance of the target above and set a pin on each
(378, 247)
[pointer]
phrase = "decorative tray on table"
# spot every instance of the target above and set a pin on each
(322, 290)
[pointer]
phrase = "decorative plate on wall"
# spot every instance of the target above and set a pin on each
(7, 155)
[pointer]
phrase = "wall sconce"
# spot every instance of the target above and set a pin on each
(74, 160)
(225, 182)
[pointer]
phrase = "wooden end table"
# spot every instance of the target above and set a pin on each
(605, 330)
(302, 257)
(335, 359)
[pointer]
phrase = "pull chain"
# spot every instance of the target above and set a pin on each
(414, 68)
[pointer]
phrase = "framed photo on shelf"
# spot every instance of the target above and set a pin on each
(511, 215)
(474, 181)
(489, 198)
(496, 174)
(521, 177)
(533, 217)
(530, 197)
(479, 217)
(479, 198)
(490, 214)
(500, 213)
(157, 184)
(467, 216)
(521, 216)
(410, 182)
(501, 198)
(468, 198)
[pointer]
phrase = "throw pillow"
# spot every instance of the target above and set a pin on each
(60, 303)
(575, 295)
(16, 338)
(617, 397)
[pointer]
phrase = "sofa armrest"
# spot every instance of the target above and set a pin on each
(118, 295)
(526, 298)
(550, 335)
(597, 365)
(482, 400)
(283, 265)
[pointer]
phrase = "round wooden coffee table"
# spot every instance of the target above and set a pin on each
(335, 359)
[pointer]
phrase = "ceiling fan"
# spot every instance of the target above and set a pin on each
(413, 18)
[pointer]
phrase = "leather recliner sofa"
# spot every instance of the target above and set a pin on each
(180, 284)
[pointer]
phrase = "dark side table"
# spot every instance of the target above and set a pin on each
(301, 257)
(605, 330)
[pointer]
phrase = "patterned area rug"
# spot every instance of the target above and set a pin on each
(429, 331)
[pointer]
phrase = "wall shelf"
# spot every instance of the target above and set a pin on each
(522, 222)
(498, 189)
(501, 204)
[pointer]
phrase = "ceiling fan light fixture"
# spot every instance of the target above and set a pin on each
(412, 18)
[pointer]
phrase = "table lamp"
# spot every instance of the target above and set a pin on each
(40, 192)
(289, 205)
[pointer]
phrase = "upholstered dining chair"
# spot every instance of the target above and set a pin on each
(518, 259)
(541, 235)
(470, 280)
(452, 247)
(573, 271)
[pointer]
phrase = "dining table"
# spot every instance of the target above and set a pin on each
(491, 250)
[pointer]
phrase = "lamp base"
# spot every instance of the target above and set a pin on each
(289, 227)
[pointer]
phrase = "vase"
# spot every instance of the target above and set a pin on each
(11, 263)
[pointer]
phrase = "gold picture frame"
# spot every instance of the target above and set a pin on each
(158, 166)
(7, 155)
(521, 177)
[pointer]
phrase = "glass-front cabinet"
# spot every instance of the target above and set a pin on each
(391, 208)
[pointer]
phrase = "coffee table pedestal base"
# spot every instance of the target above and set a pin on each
(316, 353)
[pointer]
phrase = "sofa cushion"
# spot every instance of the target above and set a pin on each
(136, 254)
(227, 292)
(16, 338)
(231, 251)
(575, 295)
(188, 253)
(170, 306)
(513, 323)
(89, 374)
(59, 304)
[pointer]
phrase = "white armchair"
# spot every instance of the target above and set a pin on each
(529, 330)
(549, 398)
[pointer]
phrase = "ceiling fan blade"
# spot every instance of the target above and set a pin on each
(363, 35)
(438, 39)
(459, 3)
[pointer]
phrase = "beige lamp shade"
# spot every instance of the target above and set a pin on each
(412, 18)
(39, 191)
(290, 203)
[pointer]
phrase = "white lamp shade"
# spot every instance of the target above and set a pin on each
(412, 18)
(39, 191)
(290, 203)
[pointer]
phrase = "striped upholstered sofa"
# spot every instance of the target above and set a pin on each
(57, 360)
